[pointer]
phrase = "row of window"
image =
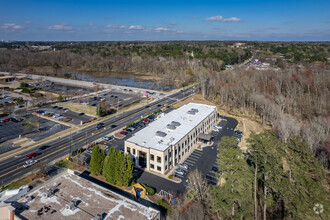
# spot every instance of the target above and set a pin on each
(158, 167)
(159, 159)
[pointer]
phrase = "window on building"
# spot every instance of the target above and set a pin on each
(165, 167)
(165, 159)
(134, 151)
(159, 168)
(152, 157)
(128, 150)
(159, 159)
(152, 166)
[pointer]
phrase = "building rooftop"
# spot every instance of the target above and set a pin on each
(171, 128)
(69, 196)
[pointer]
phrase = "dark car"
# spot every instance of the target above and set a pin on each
(60, 107)
(113, 126)
(238, 132)
(159, 105)
(99, 126)
(43, 147)
(55, 106)
(215, 169)
(81, 113)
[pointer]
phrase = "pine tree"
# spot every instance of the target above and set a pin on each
(128, 170)
(233, 198)
(109, 166)
(97, 160)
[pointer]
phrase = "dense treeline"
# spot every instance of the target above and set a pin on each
(294, 101)
(274, 180)
(170, 60)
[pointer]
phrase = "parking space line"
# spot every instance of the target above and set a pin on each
(192, 159)
(189, 163)
(198, 152)
(194, 156)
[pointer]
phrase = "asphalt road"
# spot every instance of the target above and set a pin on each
(12, 168)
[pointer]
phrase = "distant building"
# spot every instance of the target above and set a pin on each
(163, 143)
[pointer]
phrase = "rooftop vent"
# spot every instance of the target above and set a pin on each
(192, 111)
(175, 123)
(171, 126)
(48, 193)
(71, 206)
(97, 217)
(160, 134)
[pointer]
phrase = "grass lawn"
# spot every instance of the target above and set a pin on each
(4, 83)
(90, 110)
(17, 184)
(66, 164)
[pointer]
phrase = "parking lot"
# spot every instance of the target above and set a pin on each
(114, 98)
(61, 88)
(10, 130)
(77, 118)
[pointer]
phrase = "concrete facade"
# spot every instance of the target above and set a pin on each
(162, 159)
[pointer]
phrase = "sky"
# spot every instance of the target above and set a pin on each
(154, 20)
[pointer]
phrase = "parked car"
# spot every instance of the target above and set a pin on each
(43, 147)
(6, 120)
(90, 150)
(215, 129)
(159, 105)
(29, 163)
(179, 171)
(56, 116)
(107, 138)
(145, 120)
(130, 129)
(60, 107)
(218, 127)
(81, 113)
(238, 132)
(66, 110)
(123, 132)
(184, 166)
(215, 169)
(55, 106)
(31, 155)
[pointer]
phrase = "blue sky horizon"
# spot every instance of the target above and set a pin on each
(100, 20)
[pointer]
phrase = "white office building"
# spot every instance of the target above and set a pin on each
(163, 143)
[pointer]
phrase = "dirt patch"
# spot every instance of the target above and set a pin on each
(76, 107)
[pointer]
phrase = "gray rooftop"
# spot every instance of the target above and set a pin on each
(171, 128)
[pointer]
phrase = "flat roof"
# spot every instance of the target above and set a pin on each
(148, 137)
(91, 198)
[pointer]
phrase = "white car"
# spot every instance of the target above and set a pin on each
(215, 129)
(56, 116)
(29, 163)
(218, 127)
(107, 138)
(184, 166)
(179, 171)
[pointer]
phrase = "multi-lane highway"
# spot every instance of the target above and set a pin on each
(12, 168)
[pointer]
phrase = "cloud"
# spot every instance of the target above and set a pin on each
(220, 18)
(116, 26)
(28, 22)
(173, 23)
(136, 27)
(162, 29)
(11, 27)
(61, 27)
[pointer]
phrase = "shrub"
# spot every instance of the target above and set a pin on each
(150, 190)
(164, 205)
(170, 176)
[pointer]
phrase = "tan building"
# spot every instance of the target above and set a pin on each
(163, 143)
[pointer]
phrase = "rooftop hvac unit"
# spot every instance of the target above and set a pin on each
(171, 127)
(160, 134)
(192, 111)
(71, 206)
(175, 123)
(97, 217)
(48, 193)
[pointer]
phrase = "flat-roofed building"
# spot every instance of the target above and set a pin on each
(163, 143)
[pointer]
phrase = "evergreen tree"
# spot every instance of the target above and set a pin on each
(129, 170)
(97, 160)
(109, 166)
(232, 199)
